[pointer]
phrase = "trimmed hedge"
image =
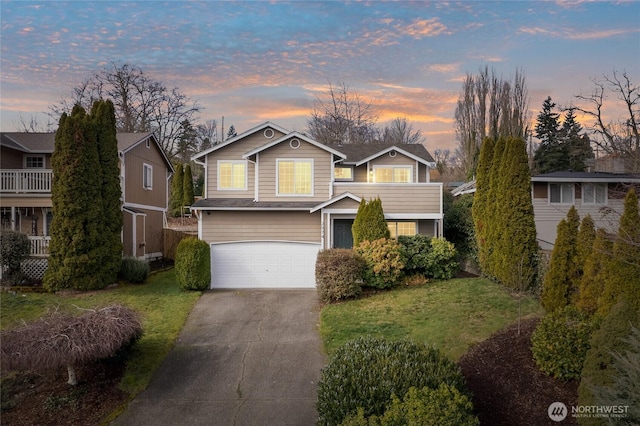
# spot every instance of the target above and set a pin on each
(366, 372)
(193, 264)
(339, 274)
(561, 341)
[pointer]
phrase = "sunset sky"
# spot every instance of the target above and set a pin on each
(256, 61)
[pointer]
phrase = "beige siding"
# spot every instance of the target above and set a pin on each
(360, 174)
(223, 226)
(398, 160)
(235, 151)
(30, 201)
(134, 191)
(12, 159)
(418, 198)
(346, 203)
(321, 171)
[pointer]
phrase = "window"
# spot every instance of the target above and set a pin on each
(295, 177)
(232, 175)
(594, 193)
(392, 174)
(402, 228)
(147, 176)
(34, 162)
(561, 193)
(343, 173)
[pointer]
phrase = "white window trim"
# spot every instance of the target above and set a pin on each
(595, 201)
(246, 174)
(382, 166)
(146, 167)
(24, 161)
(353, 172)
(562, 202)
(295, 160)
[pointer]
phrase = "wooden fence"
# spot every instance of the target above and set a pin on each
(172, 238)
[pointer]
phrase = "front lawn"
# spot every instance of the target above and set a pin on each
(452, 315)
(162, 305)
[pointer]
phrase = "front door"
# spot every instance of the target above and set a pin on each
(342, 236)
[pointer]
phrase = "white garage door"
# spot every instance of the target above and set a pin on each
(263, 264)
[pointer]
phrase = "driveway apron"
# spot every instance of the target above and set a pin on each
(248, 357)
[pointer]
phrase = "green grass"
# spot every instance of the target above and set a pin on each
(162, 305)
(451, 315)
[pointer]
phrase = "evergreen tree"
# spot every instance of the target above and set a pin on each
(481, 199)
(369, 224)
(77, 248)
(596, 268)
(584, 247)
(177, 194)
(232, 132)
(104, 120)
(624, 279)
(557, 287)
(551, 154)
(187, 187)
(516, 246)
(578, 147)
(493, 210)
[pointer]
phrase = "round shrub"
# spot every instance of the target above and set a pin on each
(441, 260)
(367, 371)
(445, 405)
(133, 270)
(561, 341)
(193, 264)
(339, 274)
(416, 250)
(385, 262)
(14, 248)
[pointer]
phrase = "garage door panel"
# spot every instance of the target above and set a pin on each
(263, 264)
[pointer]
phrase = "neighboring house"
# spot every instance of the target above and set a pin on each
(25, 190)
(598, 194)
(273, 198)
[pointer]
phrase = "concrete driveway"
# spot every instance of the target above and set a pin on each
(244, 357)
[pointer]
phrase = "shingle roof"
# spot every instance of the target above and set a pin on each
(29, 142)
(358, 152)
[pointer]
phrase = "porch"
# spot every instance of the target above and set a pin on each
(39, 245)
(26, 181)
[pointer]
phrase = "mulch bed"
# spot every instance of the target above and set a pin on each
(508, 389)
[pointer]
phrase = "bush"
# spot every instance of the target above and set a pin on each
(366, 372)
(423, 407)
(459, 228)
(193, 264)
(441, 260)
(369, 224)
(339, 274)
(561, 341)
(416, 250)
(385, 262)
(133, 270)
(14, 248)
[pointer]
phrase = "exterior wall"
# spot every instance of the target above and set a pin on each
(235, 151)
(424, 198)
(134, 191)
(360, 174)
(426, 227)
(321, 171)
(398, 160)
(226, 226)
(148, 231)
(12, 159)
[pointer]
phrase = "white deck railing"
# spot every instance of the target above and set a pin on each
(39, 245)
(26, 181)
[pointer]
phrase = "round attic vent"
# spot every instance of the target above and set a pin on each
(294, 143)
(392, 153)
(269, 133)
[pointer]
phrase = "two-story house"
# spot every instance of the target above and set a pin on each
(274, 198)
(25, 190)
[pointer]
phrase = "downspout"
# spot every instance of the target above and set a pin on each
(333, 174)
(206, 175)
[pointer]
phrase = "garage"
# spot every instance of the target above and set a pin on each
(263, 264)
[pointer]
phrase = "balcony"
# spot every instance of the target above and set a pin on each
(23, 181)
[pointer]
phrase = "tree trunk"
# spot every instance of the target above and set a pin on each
(72, 375)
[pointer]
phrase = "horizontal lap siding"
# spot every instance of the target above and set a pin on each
(321, 171)
(398, 198)
(225, 226)
(134, 190)
(398, 160)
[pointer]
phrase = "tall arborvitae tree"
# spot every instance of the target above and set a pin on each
(596, 269)
(517, 245)
(584, 247)
(493, 210)
(177, 194)
(558, 282)
(369, 224)
(187, 186)
(77, 248)
(551, 154)
(104, 120)
(578, 146)
(481, 198)
(625, 279)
